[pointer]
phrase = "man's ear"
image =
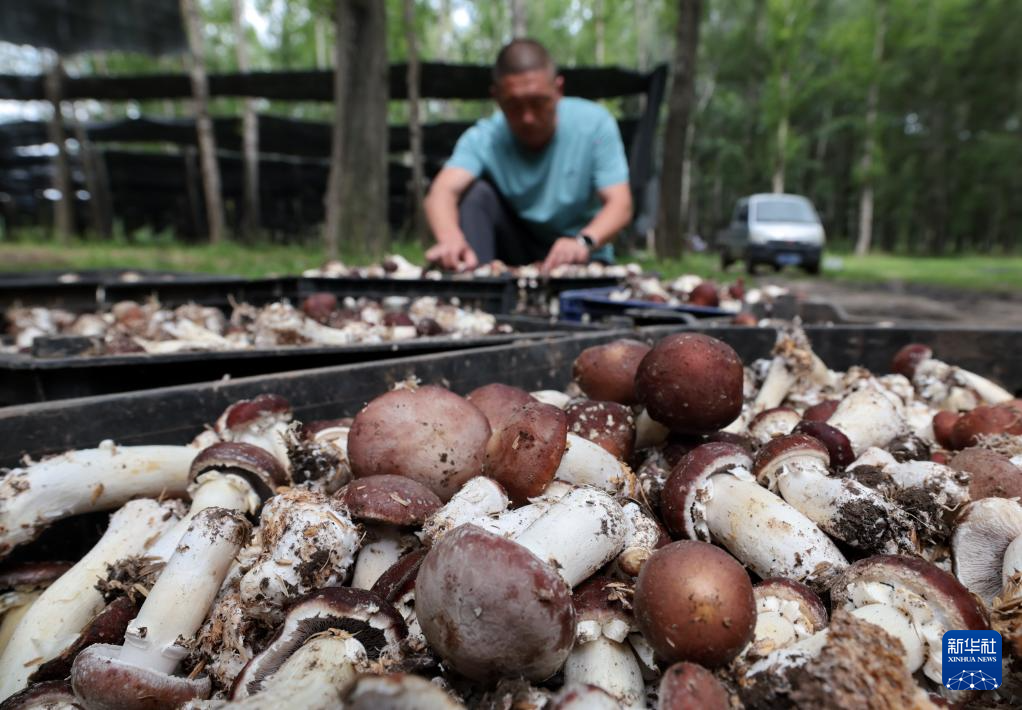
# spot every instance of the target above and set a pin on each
(559, 84)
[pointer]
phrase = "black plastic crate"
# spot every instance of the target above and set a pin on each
(24, 378)
(175, 415)
(494, 295)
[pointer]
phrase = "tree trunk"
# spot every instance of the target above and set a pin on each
(865, 239)
(356, 198)
(642, 34)
(781, 157)
(670, 238)
(99, 214)
(687, 211)
(204, 126)
(250, 207)
(322, 50)
(63, 206)
(417, 221)
(519, 19)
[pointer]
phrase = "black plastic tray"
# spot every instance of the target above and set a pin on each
(176, 414)
(24, 378)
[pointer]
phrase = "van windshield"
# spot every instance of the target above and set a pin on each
(785, 211)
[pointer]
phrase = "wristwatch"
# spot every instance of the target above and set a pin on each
(586, 241)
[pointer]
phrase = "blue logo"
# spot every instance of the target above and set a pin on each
(972, 660)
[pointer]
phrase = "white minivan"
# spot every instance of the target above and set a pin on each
(775, 229)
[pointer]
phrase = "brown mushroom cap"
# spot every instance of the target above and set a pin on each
(524, 453)
(686, 479)
(492, 609)
(400, 576)
(691, 383)
(821, 411)
(837, 444)
(101, 680)
(991, 475)
(603, 600)
(28, 576)
(376, 624)
(908, 358)
(771, 423)
(319, 306)
(943, 426)
(937, 587)
(607, 372)
(428, 434)
(498, 402)
(608, 424)
(42, 696)
(392, 500)
(809, 603)
(705, 294)
(256, 465)
(246, 411)
(985, 420)
(694, 602)
(687, 686)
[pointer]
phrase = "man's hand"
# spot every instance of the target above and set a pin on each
(453, 255)
(566, 250)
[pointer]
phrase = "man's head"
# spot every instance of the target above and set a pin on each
(527, 88)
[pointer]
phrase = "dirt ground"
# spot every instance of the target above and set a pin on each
(898, 301)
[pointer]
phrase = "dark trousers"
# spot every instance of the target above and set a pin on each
(494, 231)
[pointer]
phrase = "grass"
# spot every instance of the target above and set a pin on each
(147, 251)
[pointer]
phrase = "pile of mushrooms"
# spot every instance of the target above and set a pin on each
(675, 530)
(395, 266)
(322, 319)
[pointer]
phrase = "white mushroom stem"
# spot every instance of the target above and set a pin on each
(158, 638)
(14, 613)
(577, 534)
(512, 523)
(210, 490)
(57, 618)
(943, 482)
(587, 464)
(642, 534)
(85, 481)
(779, 381)
(936, 381)
(648, 431)
(837, 505)
(383, 547)
(480, 497)
(765, 533)
(610, 665)
(868, 417)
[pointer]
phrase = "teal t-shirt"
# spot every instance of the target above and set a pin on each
(554, 190)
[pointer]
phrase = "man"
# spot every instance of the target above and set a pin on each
(545, 179)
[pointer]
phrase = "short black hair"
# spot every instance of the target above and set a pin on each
(522, 55)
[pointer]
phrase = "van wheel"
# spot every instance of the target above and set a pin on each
(750, 267)
(813, 268)
(777, 267)
(725, 260)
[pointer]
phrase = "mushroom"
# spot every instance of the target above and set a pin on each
(397, 586)
(428, 434)
(973, 426)
(319, 306)
(234, 476)
(691, 383)
(56, 619)
(398, 691)
(479, 498)
(601, 655)
(43, 696)
(498, 402)
(643, 535)
(140, 674)
(492, 609)
(945, 385)
(986, 547)
(868, 417)
(581, 697)
(786, 612)
(694, 602)
(608, 424)
(838, 446)
(991, 475)
(319, 458)
(385, 505)
(797, 466)
(263, 421)
(793, 361)
(365, 617)
(912, 600)
(307, 542)
(688, 686)
(771, 423)
(20, 587)
(712, 494)
(607, 372)
(86, 480)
